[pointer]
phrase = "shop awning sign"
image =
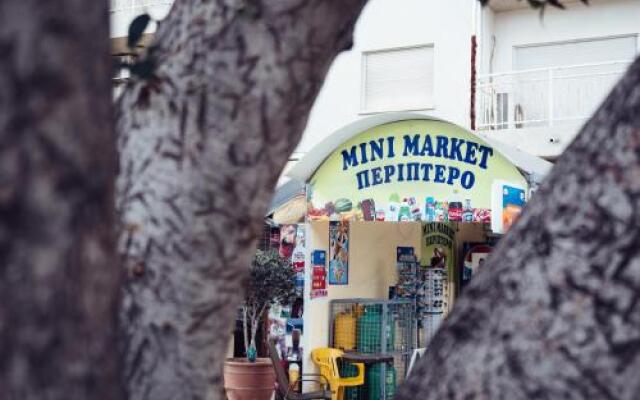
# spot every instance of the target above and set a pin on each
(429, 148)
(410, 170)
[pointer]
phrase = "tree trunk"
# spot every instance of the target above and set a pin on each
(555, 314)
(202, 144)
(58, 275)
(245, 329)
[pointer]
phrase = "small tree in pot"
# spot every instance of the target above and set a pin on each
(272, 280)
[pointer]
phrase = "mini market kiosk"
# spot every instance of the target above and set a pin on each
(396, 205)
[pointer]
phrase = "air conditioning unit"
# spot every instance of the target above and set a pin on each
(518, 116)
(502, 110)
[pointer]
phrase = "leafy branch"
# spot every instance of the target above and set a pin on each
(145, 67)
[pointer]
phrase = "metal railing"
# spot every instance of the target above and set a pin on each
(544, 97)
(137, 5)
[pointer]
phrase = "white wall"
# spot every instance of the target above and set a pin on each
(387, 24)
(485, 41)
(599, 19)
(121, 16)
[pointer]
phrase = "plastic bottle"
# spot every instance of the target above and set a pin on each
(439, 212)
(416, 212)
(467, 213)
(393, 212)
(455, 211)
(429, 210)
(445, 211)
(294, 374)
(405, 211)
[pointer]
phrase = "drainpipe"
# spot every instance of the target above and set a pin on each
(472, 109)
(476, 31)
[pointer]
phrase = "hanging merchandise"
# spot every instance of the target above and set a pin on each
(278, 315)
(475, 255)
(287, 240)
(274, 238)
(438, 245)
(508, 200)
(433, 298)
(430, 324)
(338, 252)
(319, 274)
(438, 248)
(434, 302)
(512, 204)
(407, 266)
(297, 259)
(404, 251)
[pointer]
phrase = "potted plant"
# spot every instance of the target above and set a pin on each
(272, 280)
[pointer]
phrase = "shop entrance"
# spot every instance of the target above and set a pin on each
(390, 242)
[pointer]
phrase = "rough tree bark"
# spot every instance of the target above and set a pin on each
(58, 277)
(202, 143)
(556, 313)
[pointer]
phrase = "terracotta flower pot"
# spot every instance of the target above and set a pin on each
(244, 380)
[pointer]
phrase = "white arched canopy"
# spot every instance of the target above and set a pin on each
(380, 167)
(529, 164)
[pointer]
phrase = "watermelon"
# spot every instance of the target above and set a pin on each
(343, 205)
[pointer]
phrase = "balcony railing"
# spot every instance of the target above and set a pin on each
(544, 97)
(137, 5)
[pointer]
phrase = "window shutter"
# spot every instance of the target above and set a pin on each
(398, 79)
(575, 52)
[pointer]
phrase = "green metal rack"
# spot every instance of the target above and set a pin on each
(385, 327)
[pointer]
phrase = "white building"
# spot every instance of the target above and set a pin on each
(540, 79)
(537, 78)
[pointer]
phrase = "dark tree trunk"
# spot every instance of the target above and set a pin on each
(202, 143)
(556, 313)
(58, 279)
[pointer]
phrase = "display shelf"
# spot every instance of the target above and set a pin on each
(372, 326)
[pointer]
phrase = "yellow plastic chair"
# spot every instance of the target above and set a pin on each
(327, 360)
